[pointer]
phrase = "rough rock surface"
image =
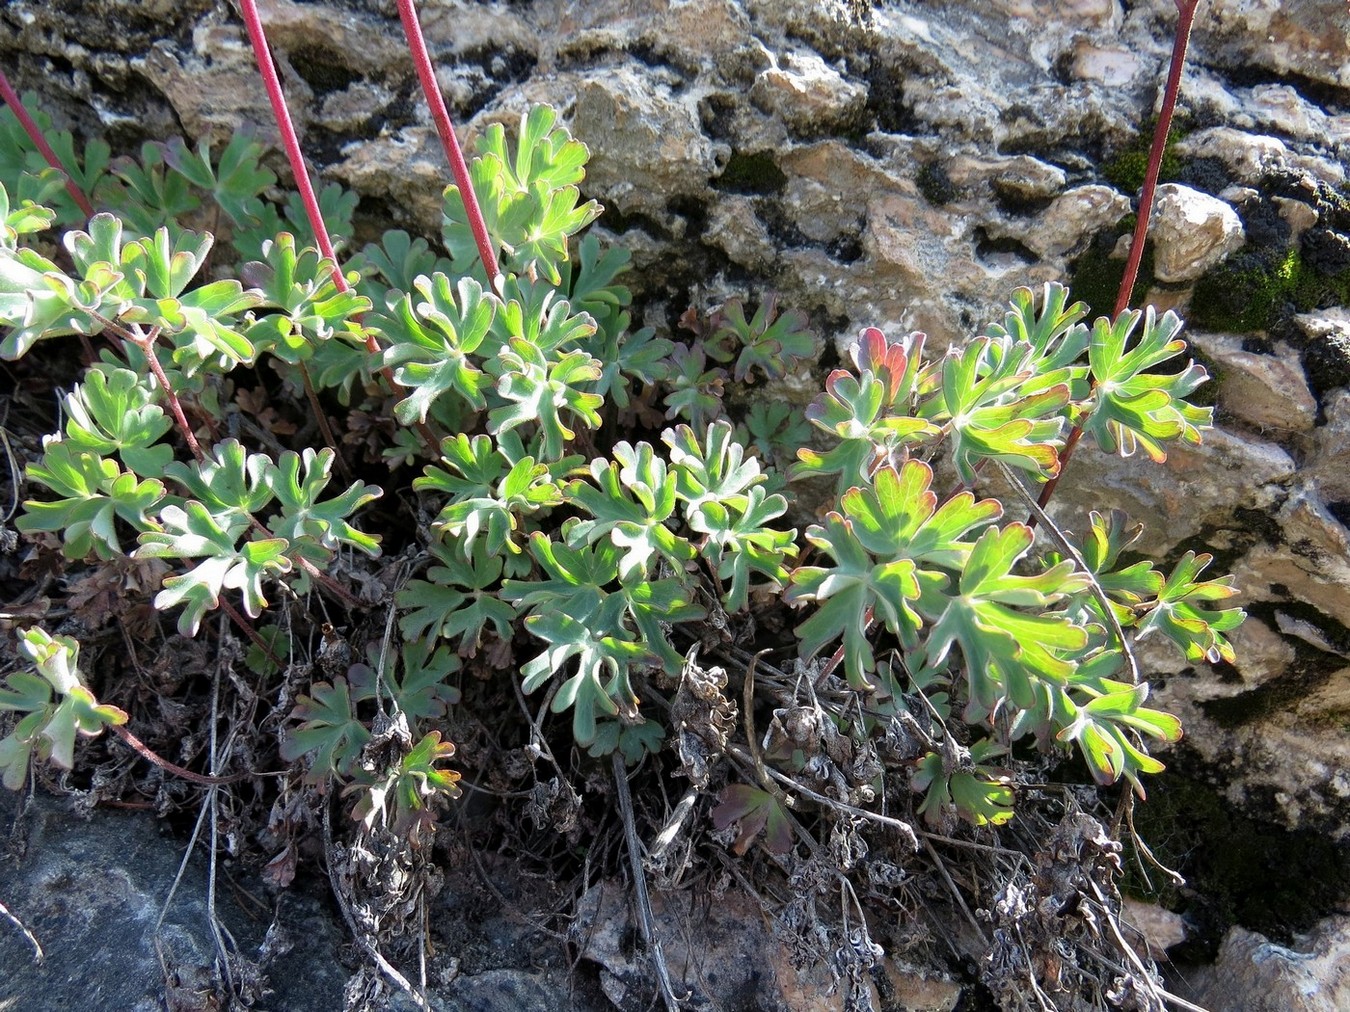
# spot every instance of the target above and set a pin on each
(1252, 974)
(1191, 232)
(903, 170)
(91, 891)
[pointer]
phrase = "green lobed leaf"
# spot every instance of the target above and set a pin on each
(1131, 408)
(192, 532)
(94, 493)
(458, 599)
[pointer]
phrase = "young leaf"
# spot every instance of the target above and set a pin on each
(433, 336)
(632, 741)
(630, 502)
(695, 390)
(1008, 652)
(540, 392)
(412, 783)
(769, 342)
(1182, 613)
(422, 692)
(457, 599)
(304, 517)
(998, 406)
(232, 483)
(870, 413)
(977, 792)
(301, 285)
(890, 546)
(739, 542)
(95, 494)
(49, 726)
(194, 533)
(714, 470)
(526, 489)
(112, 411)
(1131, 408)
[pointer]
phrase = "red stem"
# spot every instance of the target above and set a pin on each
(1180, 42)
(35, 135)
(291, 144)
(146, 752)
(175, 406)
(426, 74)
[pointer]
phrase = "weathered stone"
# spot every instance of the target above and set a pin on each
(1299, 216)
(807, 93)
(1248, 157)
(1327, 353)
(1313, 563)
(1309, 38)
(1279, 108)
(1159, 929)
(1196, 490)
(407, 167)
(1329, 464)
(1253, 974)
(214, 87)
(1268, 392)
(1192, 232)
(646, 142)
(1110, 65)
(1074, 217)
(92, 892)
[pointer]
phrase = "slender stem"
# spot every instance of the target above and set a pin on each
(146, 752)
(291, 144)
(246, 627)
(11, 98)
(426, 74)
(147, 345)
(325, 426)
(1180, 42)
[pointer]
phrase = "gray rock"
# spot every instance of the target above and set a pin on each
(1074, 218)
(1327, 354)
(646, 142)
(1192, 232)
(1252, 974)
(1307, 38)
(1267, 392)
(806, 93)
(91, 890)
(1249, 157)
(1329, 464)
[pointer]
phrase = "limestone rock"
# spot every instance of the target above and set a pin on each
(1253, 974)
(1159, 929)
(1327, 354)
(1329, 464)
(1074, 217)
(1191, 232)
(1196, 491)
(1309, 38)
(808, 94)
(1268, 392)
(1248, 157)
(646, 142)
(1281, 109)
